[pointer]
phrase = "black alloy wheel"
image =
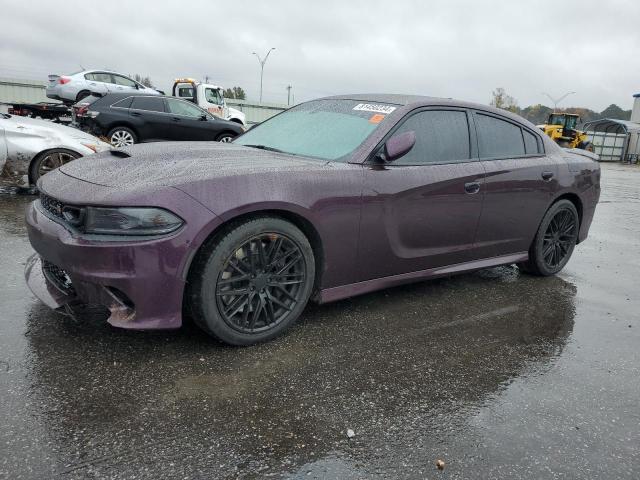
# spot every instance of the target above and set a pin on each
(251, 281)
(261, 283)
(555, 240)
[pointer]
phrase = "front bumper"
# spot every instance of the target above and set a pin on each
(139, 282)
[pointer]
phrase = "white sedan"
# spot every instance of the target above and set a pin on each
(76, 86)
(30, 147)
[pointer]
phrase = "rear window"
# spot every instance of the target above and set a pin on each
(149, 104)
(498, 138)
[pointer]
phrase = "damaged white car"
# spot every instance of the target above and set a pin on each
(30, 147)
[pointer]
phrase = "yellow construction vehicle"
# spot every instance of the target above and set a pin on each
(561, 127)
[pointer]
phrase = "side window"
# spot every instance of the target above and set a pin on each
(180, 107)
(101, 77)
(442, 136)
(124, 103)
(90, 76)
(212, 96)
(124, 81)
(151, 104)
(530, 143)
(498, 138)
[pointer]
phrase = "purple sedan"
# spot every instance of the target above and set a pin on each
(333, 198)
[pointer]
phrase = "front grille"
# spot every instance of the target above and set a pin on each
(51, 205)
(58, 277)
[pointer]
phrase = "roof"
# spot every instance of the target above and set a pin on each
(611, 125)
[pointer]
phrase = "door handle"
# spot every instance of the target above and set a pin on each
(546, 176)
(472, 187)
(135, 114)
(175, 119)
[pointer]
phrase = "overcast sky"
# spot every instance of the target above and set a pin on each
(459, 49)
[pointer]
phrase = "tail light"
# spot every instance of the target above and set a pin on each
(63, 80)
(82, 110)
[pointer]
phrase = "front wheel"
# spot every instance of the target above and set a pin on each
(225, 137)
(555, 240)
(49, 160)
(252, 283)
(122, 137)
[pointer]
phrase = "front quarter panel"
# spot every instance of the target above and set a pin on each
(328, 197)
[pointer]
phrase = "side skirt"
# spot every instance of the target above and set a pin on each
(353, 289)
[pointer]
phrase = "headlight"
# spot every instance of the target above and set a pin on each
(129, 221)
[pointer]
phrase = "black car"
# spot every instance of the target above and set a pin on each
(126, 118)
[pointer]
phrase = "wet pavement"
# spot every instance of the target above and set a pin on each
(500, 375)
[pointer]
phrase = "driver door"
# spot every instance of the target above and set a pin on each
(422, 210)
(215, 103)
(187, 121)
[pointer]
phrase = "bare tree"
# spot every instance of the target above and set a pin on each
(146, 81)
(500, 99)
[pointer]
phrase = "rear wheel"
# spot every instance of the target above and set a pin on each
(82, 94)
(46, 161)
(555, 240)
(122, 137)
(252, 283)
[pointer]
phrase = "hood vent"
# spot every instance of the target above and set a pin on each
(119, 153)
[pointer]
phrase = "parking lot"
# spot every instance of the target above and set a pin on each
(498, 374)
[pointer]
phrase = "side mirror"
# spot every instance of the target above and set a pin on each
(203, 117)
(399, 145)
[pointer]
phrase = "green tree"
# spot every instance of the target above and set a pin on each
(614, 111)
(235, 92)
(500, 99)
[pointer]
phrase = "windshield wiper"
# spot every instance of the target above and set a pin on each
(264, 147)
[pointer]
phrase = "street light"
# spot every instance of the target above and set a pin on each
(556, 101)
(262, 62)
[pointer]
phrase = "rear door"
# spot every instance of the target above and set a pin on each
(123, 84)
(98, 81)
(188, 122)
(519, 185)
(422, 210)
(150, 117)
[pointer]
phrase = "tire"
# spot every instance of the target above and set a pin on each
(225, 137)
(82, 94)
(262, 306)
(46, 161)
(555, 240)
(122, 137)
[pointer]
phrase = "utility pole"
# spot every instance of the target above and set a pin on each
(206, 79)
(262, 62)
(556, 101)
(289, 87)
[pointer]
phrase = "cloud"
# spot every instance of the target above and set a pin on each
(460, 49)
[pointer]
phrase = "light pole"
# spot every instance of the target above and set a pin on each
(262, 62)
(556, 101)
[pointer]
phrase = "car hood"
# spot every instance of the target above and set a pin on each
(176, 164)
(40, 127)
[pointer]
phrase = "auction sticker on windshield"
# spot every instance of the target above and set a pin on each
(375, 108)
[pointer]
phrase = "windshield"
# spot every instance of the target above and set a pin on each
(324, 129)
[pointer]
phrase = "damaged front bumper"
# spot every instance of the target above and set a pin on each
(139, 283)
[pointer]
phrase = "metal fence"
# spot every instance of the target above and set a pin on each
(32, 91)
(610, 146)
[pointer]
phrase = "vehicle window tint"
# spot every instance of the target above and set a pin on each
(180, 107)
(441, 137)
(530, 142)
(124, 81)
(89, 76)
(124, 103)
(151, 104)
(101, 77)
(498, 138)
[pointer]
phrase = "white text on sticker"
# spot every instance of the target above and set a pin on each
(370, 107)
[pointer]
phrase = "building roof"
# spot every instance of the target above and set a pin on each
(612, 125)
